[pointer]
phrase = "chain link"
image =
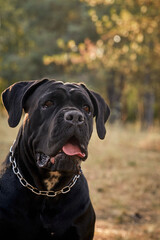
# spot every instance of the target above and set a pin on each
(35, 190)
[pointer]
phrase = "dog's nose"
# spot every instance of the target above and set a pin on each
(74, 117)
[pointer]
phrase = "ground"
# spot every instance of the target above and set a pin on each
(123, 173)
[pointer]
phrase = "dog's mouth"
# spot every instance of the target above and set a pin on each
(67, 159)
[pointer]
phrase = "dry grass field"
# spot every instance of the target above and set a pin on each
(123, 173)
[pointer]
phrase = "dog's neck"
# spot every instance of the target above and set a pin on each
(40, 178)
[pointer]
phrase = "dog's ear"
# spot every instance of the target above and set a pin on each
(13, 99)
(101, 111)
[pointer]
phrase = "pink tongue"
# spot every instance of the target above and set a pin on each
(72, 150)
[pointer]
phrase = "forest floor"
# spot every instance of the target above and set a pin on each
(123, 173)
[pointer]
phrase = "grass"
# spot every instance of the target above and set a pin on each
(123, 173)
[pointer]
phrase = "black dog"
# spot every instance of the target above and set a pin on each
(43, 192)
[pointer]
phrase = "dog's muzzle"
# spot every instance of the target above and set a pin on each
(67, 147)
(68, 159)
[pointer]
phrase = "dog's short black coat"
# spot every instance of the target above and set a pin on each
(55, 114)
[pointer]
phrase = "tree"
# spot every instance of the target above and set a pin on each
(33, 29)
(125, 57)
(112, 45)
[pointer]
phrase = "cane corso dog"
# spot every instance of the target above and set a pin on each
(43, 192)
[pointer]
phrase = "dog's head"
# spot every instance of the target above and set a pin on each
(58, 121)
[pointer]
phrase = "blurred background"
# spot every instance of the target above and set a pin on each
(113, 46)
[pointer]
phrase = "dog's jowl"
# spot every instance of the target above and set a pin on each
(43, 192)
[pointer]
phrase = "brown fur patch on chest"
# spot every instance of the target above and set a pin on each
(52, 180)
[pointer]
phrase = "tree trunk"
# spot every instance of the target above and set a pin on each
(115, 86)
(148, 103)
(148, 115)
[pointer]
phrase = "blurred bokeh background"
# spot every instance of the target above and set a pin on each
(113, 46)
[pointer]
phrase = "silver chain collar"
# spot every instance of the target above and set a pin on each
(35, 190)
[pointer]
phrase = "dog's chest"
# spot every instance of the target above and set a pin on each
(52, 179)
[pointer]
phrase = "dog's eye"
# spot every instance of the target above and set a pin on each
(48, 104)
(86, 108)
